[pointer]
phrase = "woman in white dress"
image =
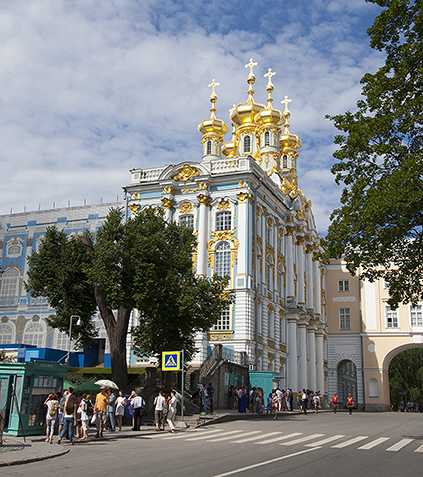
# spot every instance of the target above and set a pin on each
(120, 408)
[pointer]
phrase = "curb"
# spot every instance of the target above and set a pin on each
(33, 459)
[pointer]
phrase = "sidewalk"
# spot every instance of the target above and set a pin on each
(15, 451)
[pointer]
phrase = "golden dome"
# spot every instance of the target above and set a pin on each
(268, 115)
(245, 113)
(229, 147)
(213, 125)
(288, 140)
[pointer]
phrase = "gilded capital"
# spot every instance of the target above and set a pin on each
(300, 241)
(204, 199)
(167, 203)
(309, 248)
(290, 230)
(203, 186)
(242, 197)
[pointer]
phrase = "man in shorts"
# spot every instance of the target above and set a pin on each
(158, 411)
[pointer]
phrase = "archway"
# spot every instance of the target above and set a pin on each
(347, 381)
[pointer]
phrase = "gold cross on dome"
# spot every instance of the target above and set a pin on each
(285, 102)
(251, 65)
(213, 85)
(269, 75)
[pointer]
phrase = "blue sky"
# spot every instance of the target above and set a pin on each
(90, 89)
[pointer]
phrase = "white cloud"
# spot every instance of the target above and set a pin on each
(91, 89)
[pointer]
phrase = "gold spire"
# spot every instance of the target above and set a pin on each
(286, 113)
(251, 79)
(268, 115)
(269, 87)
(213, 97)
(289, 142)
(213, 125)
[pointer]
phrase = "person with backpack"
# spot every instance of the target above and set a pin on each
(52, 407)
(83, 409)
(350, 403)
(69, 416)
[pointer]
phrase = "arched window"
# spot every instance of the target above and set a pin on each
(7, 335)
(10, 282)
(187, 220)
(209, 147)
(223, 221)
(284, 161)
(223, 260)
(266, 138)
(33, 334)
(247, 144)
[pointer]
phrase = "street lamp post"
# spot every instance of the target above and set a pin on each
(78, 323)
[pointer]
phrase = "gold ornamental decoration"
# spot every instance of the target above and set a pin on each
(186, 172)
(168, 190)
(135, 208)
(203, 186)
(204, 199)
(242, 184)
(271, 357)
(223, 205)
(242, 197)
(135, 196)
(167, 203)
(186, 208)
(220, 336)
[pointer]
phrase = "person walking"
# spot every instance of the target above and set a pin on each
(69, 416)
(335, 403)
(210, 392)
(304, 401)
(83, 409)
(316, 400)
(111, 410)
(100, 409)
(120, 409)
(204, 397)
(159, 402)
(137, 406)
(171, 413)
(350, 404)
(52, 407)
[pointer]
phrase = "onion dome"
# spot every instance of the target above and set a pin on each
(244, 113)
(268, 115)
(213, 125)
(288, 141)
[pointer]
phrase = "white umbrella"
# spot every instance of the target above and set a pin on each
(107, 384)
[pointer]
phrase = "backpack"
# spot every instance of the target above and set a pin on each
(89, 408)
(53, 410)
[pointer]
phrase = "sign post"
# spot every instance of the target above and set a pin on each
(174, 361)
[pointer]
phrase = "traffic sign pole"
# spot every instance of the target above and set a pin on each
(183, 386)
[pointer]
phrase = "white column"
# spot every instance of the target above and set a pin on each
(242, 234)
(320, 383)
(302, 362)
(289, 259)
(168, 206)
(317, 289)
(300, 270)
(204, 201)
(309, 277)
(311, 343)
(292, 352)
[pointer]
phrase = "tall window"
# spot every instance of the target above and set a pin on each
(224, 322)
(269, 273)
(209, 144)
(62, 341)
(391, 318)
(284, 161)
(282, 329)
(223, 259)
(9, 282)
(344, 319)
(247, 144)
(187, 220)
(223, 221)
(266, 138)
(271, 324)
(33, 334)
(6, 333)
(416, 316)
(343, 285)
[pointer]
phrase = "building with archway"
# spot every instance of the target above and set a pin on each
(365, 333)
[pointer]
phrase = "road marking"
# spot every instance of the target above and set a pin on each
(220, 431)
(301, 440)
(281, 438)
(226, 438)
(325, 441)
(349, 442)
(259, 464)
(183, 434)
(256, 437)
(399, 445)
(374, 443)
(419, 449)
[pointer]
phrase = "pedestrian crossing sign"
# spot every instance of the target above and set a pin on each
(171, 361)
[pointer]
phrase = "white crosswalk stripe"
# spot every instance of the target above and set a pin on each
(250, 439)
(208, 436)
(419, 449)
(301, 440)
(374, 443)
(281, 438)
(226, 438)
(399, 445)
(350, 442)
(325, 441)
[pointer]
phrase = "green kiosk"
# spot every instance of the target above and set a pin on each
(23, 389)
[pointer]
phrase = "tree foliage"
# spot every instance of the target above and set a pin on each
(406, 376)
(143, 264)
(379, 226)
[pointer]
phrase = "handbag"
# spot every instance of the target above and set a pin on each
(94, 418)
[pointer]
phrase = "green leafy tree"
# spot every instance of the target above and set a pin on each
(379, 226)
(142, 264)
(5, 358)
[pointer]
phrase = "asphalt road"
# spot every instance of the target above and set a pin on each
(386, 444)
